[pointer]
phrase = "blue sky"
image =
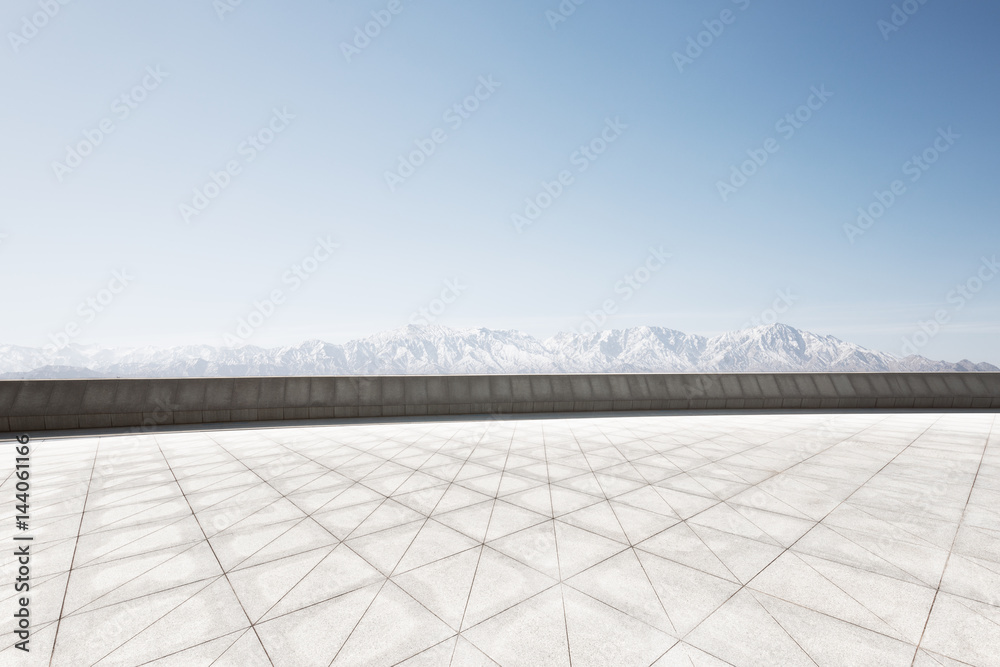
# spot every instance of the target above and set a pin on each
(309, 129)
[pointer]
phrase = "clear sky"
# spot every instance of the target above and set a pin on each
(683, 109)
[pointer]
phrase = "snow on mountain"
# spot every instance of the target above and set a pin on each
(440, 350)
(436, 350)
(782, 348)
(640, 349)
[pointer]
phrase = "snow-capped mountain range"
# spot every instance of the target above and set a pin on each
(439, 350)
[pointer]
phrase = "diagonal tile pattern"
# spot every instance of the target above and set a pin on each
(647, 540)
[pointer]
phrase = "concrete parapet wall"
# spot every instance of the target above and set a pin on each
(39, 405)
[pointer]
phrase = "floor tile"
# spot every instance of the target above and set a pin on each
(654, 539)
(601, 635)
(501, 582)
(393, 627)
(963, 629)
(530, 634)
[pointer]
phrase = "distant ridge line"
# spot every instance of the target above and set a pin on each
(438, 350)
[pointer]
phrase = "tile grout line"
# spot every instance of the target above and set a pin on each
(786, 549)
(631, 545)
(225, 575)
(958, 529)
(189, 546)
(746, 585)
(426, 519)
(69, 574)
(308, 516)
(555, 538)
(719, 502)
(413, 471)
(378, 463)
(358, 482)
(628, 547)
(482, 547)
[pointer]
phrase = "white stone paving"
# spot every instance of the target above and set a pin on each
(743, 539)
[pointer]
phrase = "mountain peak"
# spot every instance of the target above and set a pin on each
(438, 349)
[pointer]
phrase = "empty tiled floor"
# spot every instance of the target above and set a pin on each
(788, 539)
